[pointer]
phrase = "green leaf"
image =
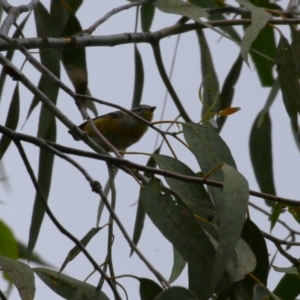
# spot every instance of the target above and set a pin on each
(260, 145)
(192, 194)
(177, 292)
(294, 211)
(74, 62)
(232, 216)
(138, 77)
(287, 270)
(75, 250)
(254, 238)
(21, 275)
(265, 44)
(147, 15)
(50, 59)
(295, 46)
(242, 262)
(260, 292)
(12, 120)
(228, 89)
(8, 242)
(178, 265)
(148, 289)
(287, 70)
(140, 212)
(176, 222)
(270, 100)
(259, 19)
(210, 151)
(46, 160)
(288, 287)
(10, 53)
(60, 12)
(210, 83)
(23, 254)
(181, 8)
(217, 4)
(66, 286)
(276, 211)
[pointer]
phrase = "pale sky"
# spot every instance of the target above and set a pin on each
(111, 76)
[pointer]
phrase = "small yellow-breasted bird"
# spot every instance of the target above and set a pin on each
(120, 128)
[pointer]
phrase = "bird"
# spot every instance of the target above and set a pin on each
(120, 128)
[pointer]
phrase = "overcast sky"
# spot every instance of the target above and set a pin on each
(111, 77)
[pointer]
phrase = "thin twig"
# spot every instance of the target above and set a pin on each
(278, 243)
(169, 86)
(282, 242)
(92, 28)
(124, 162)
(96, 187)
(13, 13)
(128, 38)
(279, 221)
(55, 221)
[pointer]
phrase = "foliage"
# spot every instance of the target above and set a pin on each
(203, 213)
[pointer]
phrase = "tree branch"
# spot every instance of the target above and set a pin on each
(55, 221)
(127, 38)
(119, 162)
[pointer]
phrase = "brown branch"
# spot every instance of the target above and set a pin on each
(294, 232)
(119, 162)
(278, 243)
(128, 38)
(96, 187)
(56, 222)
(92, 28)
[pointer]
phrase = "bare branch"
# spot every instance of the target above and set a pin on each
(92, 28)
(128, 38)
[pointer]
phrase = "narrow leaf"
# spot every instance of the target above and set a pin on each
(21, 275)
(175, 221)
(288, 287)
(265, 44)
(50, 59)
(260, 292)
(227, 93)
(60, 12)
(232, 217)
(192, 194)
(177, 292)
(210, 83)
(242, 262)
(289, 82)
(10, 53)
(259, 19)
(270, 100)
(140, 212)
(210, 151)
(181, 8)
(46, 160)
(75, 250)
(149, 289)
(276, 211)
(178, 265)
(9, 247)
(66, 286)
(217, 4)
(36, 258)
(138, 77)
(12, 120)
(260, 145)
(147, 15)
(254, 238)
